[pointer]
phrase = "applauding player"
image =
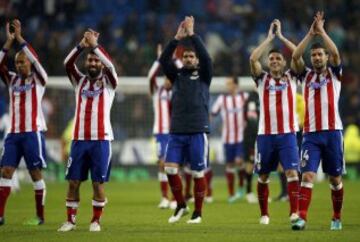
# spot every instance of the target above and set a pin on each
(278, 124)
(91, 147)
(189, 117)
(323, 139)
(25, 137)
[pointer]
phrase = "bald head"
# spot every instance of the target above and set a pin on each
(22, 64)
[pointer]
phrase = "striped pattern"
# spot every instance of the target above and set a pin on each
(233, 116)
(25, 94)
(322, 93)
(277, 104)
(94, 98)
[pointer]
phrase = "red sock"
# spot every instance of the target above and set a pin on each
(71, 210)
(241, 175)
(188, 178)
(293, 192)
(304, 200)
(263, 195)
(230, 177)
(208, 177)
(164, 188)
(199, 193)
(40, 202)
(163, 184)
(98, 207)
(4, 194)
(176, 188)
(337, 195)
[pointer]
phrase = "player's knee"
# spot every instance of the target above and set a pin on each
(308, 177)
(35, 175)
(74, 185)
(171, 170)
(335, 180)
(7, 172)
(292, 175)
(264, 178)
(198, 174)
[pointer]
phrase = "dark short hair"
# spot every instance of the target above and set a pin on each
(318, 45)
(189, 49)
(275, 50)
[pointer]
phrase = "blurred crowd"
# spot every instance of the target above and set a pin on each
(130, 31)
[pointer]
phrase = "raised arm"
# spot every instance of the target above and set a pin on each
(335, 59)
(91, 38)
(30, 53)
(4, 73)
(153, 71)
(291, 46)
(71, 69)
(216, 107)
(204, 57)
(297, 60)
(165, 59)
(255, 65)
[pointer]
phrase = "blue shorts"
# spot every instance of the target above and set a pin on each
(161, 142)
(270, 149)
(93, 156)
(190, 148)
(30, 145)
(233, 152)
(327, 146)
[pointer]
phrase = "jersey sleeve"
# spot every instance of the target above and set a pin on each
(258, 79)
(337, 70)
(109, 66)
(152, 76)
(33, 57)
(216, 107)
(302, 75)
(71, 69)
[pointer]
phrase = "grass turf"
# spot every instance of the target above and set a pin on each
(132, 215)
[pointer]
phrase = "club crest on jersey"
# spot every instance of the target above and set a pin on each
(318, 85)
(88, 93)
(99, 84)
(22, 88)
(273, 87)
(194, 75)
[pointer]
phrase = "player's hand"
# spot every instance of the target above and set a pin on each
(319, 23)
(189, 25)
(17, 26)
(277, 26)
(271, 34)
(158, 50)
(83, 43)
(91, 38)
(181, 32)
(9, 36)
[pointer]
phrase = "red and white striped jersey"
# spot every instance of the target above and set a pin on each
(277, 104)
(232, 110)
(94, 97)
(321, 94)
(25, 94)
(161, 102)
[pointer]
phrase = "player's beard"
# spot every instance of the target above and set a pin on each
(94, 72)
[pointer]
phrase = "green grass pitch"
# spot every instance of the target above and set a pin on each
(132, 215)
